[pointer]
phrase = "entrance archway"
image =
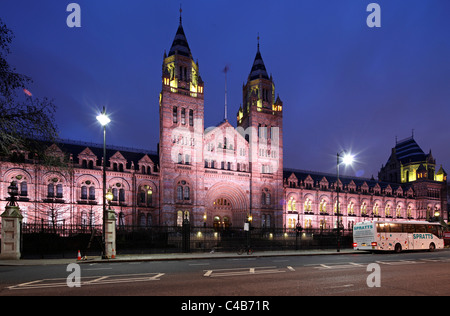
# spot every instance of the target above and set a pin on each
(220, 223)
(226, 206)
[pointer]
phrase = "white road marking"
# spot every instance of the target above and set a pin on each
(95, 280)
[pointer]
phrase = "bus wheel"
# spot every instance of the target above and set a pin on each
(398, 248)
(432, 247)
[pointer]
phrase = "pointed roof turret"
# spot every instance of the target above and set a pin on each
(408, 150)
(258, 68)
(180, 45)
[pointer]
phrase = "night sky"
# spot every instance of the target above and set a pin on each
(344, 85)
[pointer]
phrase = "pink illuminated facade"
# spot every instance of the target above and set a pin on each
(217, 176)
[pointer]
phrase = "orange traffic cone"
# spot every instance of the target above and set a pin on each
(113, 255)
(79, 255)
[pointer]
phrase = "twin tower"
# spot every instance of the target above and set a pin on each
(220, 176)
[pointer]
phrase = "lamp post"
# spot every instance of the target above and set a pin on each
(104, 120)
(347, 159)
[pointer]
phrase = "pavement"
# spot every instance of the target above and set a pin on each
(174, 256)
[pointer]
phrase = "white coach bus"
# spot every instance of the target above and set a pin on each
(397, 236)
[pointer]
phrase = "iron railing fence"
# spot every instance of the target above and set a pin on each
(64, 240)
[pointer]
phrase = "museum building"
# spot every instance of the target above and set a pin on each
(220, 176)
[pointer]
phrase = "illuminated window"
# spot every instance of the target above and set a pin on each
(183, 116)
(350, 209)
(145, 196)
(323, 206)
(335, 208)
(291, 222)
(175, 114)
(308, 223)
(398, 211)
(364, 209)
(376, 210)
(307, 206)
(387, 210)
(292, 204)
(191, 117)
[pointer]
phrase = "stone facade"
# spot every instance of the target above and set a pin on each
(218, 176)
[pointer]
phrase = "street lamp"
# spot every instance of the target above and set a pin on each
(104, 120)
(13, 191)
(346, 159)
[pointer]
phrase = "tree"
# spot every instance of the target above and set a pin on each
(25, 120)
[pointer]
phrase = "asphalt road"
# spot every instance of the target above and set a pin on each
(421, 273)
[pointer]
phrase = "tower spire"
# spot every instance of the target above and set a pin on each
(181, 10)
(258, 41)
(225, 70)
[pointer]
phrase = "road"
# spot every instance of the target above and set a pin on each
(421, 273)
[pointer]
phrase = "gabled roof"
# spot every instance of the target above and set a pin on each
(131, 155)
(317, 177)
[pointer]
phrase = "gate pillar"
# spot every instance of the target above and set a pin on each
(11, 227)
(110, 235)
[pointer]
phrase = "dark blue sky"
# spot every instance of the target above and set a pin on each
(343, 84)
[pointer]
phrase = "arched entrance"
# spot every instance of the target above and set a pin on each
(220, 223)
(226, 206)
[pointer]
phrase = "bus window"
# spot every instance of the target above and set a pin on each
(408, 228)
(421, 229)
(433, 229)
(395, 228)
(382, 227)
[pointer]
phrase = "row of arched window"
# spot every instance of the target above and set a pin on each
(88, 192)
(352, 209)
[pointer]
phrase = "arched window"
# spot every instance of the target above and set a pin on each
(398, 212)
(182, 215)
(323, 206)
(50, 190)
(179, 192)
(364, 209)
(179, 218)
(142, 220)
(92, 193)
(307, 206)
(145, 195)
(191, 117)
(23, 188)
(175, 114)
(183, 116)
(335, 207)
(350, 208)
(291, 222)
(387, 210)
(84, 192)
(183, 191)
(308, 223)
(114, 192)
(121, 195)
(59, 191)
(376, 211)
(187, 193)
(265, 197)
(292, 204)
(409, 212)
